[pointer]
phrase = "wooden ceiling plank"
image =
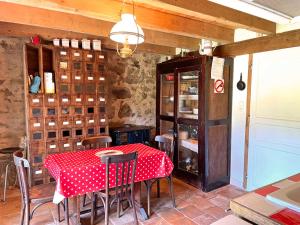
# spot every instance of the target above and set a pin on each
(28, 15)
(214, 13)
(109, 10)
(262, 44)
(19, 30)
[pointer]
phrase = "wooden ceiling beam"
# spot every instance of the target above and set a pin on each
(32, 16)
(19, 30)
(262, 44)
(109, 10)
(214, 13)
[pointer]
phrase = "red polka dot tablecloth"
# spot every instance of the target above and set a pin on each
(77, 173)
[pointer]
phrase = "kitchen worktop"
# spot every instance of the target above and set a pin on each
(255, 207)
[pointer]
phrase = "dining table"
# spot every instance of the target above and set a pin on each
(81, 172)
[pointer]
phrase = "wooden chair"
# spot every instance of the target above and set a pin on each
(96, 142)
(92, 143)
(39, 194)
(166, 145)
(124, 166)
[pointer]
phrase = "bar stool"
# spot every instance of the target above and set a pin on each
(6, 162)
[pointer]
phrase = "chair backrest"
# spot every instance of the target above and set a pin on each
(23, 171)
(122, 169)
(166, 145)
(96, 142)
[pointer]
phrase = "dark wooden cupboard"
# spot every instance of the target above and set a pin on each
(199, 120)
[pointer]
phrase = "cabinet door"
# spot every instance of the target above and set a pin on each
(167, 94)
(188, 88)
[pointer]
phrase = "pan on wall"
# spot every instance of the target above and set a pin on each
(241, 85)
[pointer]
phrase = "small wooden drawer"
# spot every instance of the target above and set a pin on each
(77, 100)
(77, 146)
(51, 123)
(36, 112)
(63, 53)
(88, 56)
(89, 67)
(52, 147)
(90, 76)
(65, 133)
(37, 174)
(91, 131)
(101, 110)
(90, 100)
(64, 76)
(78, 132)
(90, 88)
(102, 120)
(65, 111)
(76, 66)
(90, 110)
(77, 88)
(76, 55)
(36, 124)
(77, 77)
(99, 57)
(90, 121)
(51, 135)
(101, 130)
(36, 100)
(65, 122)
(78, 121)
(64, 88)
(78, 111)
(65, 100)
(50, 111)
(101, 88)
(66, 145)
(101, 77)
(63, 65)
(37, 148)
(37, 135)
(50, 100)
(101, 99)
(37, 159)
(99, 68)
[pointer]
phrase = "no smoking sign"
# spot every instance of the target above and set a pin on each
(219, 86)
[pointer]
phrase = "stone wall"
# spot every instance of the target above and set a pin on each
(12, 110)
(132, 89)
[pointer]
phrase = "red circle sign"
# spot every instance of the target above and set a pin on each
(219, 86)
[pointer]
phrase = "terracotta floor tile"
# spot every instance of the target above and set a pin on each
(155, 221)
(220, 201)
(183, 220)
(191, 211)
(204, 219)
(170, 215)
(215, 212)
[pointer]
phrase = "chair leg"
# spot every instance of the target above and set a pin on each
(5, 182)
(58, 212)
(158, 189)
(27, 214)
(84, 200)
(170, 179)
(93, 208)
(118, 207)
(106, 210)
(66, 202)
(22, 214)
(148, 187)
(133, 206)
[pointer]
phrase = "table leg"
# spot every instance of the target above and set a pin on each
(78, 209)
(138, 200)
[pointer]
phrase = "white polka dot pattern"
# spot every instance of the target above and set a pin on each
(77, 173)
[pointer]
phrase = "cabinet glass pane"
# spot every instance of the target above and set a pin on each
(167, 94)
(166, 128)
(188, 94)
(188, 148)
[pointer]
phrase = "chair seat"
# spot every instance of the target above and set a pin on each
(42, 193)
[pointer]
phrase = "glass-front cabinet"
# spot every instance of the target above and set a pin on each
(189, 112)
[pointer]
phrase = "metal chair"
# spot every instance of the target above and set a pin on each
(5, 163)
(122, 169)
(39, 194)
(96, 142)
(166, 145)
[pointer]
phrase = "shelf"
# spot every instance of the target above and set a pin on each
(188, 97)
(189, 144)
(188, 116)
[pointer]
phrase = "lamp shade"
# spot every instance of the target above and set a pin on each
(127, 31)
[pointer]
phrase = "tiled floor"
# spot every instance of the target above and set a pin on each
(193, 207)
